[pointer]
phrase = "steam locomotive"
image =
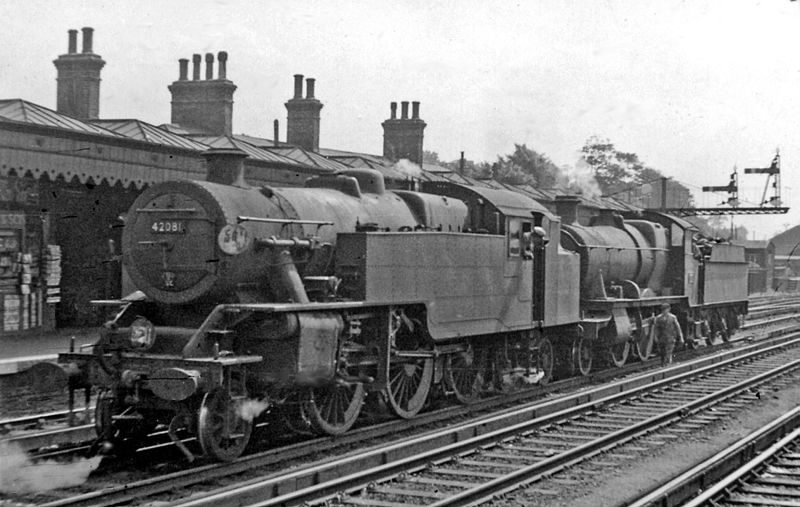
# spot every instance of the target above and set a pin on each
(309, 301)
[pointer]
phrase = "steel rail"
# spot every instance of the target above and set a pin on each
(359, 470)
(739, 475)
(527, 474)
(114, 495)
(719, 472)
(47, 416)
(196, 475)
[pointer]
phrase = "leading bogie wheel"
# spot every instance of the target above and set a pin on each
(124, 439)
(333, 409)
(221, 430)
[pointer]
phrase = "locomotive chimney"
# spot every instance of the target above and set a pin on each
(567, 208)
(225, 166)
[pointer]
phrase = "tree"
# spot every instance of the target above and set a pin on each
(526, 166)
(623, 175)
(431, 157)
(614, 170)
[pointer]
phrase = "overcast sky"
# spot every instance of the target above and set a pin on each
(693, 87)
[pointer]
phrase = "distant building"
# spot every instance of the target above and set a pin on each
(760, 256)
(787, 260)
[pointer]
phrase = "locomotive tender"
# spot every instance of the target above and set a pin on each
(310, 300)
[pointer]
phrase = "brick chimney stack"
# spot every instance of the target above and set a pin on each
(402, 137)
(78, 78)
(206, 104)
(302, 121)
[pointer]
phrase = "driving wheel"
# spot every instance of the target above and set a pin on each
(618, 353)
(333, 409)
(410, 369)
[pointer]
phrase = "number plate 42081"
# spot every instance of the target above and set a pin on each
(168, 227)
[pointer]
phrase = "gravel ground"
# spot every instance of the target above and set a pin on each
(592, 486)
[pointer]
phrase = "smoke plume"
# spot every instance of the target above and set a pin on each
(19, 475)
(250, 409)
(580, 179)
(408, 168)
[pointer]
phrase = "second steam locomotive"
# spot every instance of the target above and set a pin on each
(308, 301)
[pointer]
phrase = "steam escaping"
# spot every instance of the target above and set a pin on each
(18, 475)
(250, 409)
(580, 178)
(408, 168)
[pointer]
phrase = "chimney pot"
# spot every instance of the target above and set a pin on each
(73, 41)
(404, 110)
(275, 132)
(303, 119)
(209, 66)
(310, 88)
(183, 66)
(415, 110)
(298, 86)
(393, 107)
(196, 59)
(222, 58)
(87, 39)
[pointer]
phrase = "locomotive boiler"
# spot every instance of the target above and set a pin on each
(303, 304)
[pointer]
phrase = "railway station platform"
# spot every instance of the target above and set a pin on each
(18, 353)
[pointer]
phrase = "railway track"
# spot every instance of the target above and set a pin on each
(759, 469)
(193, 479)
(770, 479)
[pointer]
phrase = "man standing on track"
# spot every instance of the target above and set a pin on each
(667, 330)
